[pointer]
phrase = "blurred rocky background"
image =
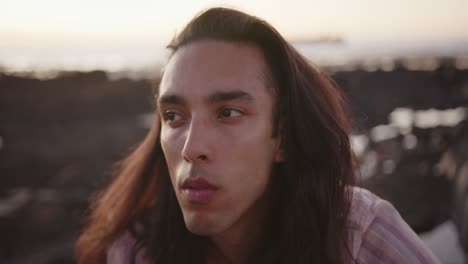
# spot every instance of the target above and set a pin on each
(60, 136)
(58, 140)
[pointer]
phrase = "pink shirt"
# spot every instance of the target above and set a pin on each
(378, 234)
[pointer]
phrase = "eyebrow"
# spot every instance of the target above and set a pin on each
(171, 99)
(229, 96)
(215, 97)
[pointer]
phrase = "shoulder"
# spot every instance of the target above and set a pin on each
(378, 234)
(122, 251)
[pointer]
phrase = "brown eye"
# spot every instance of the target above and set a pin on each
(229, 112)
(171, 116)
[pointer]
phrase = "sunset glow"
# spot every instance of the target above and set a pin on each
(114, 28)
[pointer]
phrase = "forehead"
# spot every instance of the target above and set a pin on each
(208, 65)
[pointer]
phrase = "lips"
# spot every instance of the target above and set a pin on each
(198, 190)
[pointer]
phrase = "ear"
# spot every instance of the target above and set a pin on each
(279, 154)
(279, 157)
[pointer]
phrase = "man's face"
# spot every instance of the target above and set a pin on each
(216, 112)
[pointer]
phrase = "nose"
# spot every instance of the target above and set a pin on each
(197, 143)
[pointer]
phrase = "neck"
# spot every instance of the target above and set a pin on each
(235, 245)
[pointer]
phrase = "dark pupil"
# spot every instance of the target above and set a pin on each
(170, 116)
(226, 113)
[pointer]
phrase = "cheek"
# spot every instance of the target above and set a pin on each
(253, 181)
(252, 143)
(171, 147)
(247, 185)
(250, 164)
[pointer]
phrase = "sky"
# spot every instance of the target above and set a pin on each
(96, 32)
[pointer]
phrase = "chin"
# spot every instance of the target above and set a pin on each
(201, 229)
(202, 226)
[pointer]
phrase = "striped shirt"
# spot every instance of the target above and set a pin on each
(377, 234)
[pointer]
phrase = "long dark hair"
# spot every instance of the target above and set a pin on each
(311, 193)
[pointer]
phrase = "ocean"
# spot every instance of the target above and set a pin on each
(144, 56)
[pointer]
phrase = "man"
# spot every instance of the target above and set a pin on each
(248, 161)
